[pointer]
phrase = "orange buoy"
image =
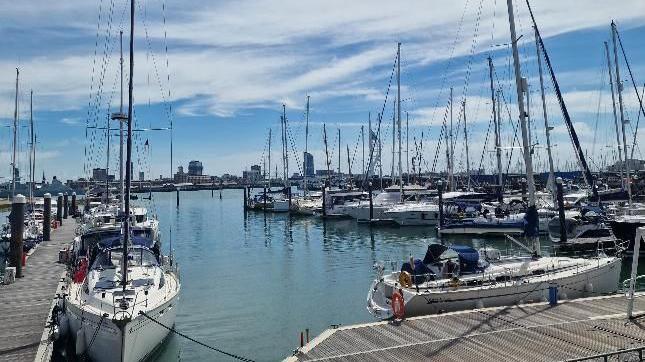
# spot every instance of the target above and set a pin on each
(398, 305)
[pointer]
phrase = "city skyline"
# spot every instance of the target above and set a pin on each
(227, 88)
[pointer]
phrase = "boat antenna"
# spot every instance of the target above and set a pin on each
(128, 168)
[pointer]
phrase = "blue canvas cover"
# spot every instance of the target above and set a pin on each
(468, 258)
(419, 273)
(115, 241)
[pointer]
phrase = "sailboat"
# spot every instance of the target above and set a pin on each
(451, 278)
(123, 295)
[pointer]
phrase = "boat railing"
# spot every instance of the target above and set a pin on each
(639, 284)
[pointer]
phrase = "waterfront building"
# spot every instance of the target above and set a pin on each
(308, 164)
(195, 168)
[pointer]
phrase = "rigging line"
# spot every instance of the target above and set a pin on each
(173, 330)
(105, 61)
(601, 88)
(154, 62)
(380, 118)
(631, 75)
(635, 131)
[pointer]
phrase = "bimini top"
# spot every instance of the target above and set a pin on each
(468, 256)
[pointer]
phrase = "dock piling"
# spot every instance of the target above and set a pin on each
(17, 230)
(369, 189)
(563, 226)
(47, 216)
(65, 205)
(324, 200)
(59, 208)
(440, 194)
(74, 209)
(177, 190)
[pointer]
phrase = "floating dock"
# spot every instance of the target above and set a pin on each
(25, 305)
(582, 329)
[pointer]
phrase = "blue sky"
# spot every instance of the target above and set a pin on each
(232, 64)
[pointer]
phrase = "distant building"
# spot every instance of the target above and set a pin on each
(180, 176)
(324, 172)
(195, 168)
(141, 176)
(99, 174)
(308, 164)
(257, 168)
(253, 175)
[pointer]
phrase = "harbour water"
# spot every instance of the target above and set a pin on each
(251, 284)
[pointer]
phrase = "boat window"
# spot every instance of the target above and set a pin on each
(145, 233)
(136, 257)
(597, 233)
(139, 218)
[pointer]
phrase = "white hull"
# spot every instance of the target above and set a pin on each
(414, 218)
(142, 336)
(482, 230)
(600, 279)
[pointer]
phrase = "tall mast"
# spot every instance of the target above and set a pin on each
(451, 151)
(32, 158)
(306, 144)
(370, 147)
(463, 104)
(398, 114)
(619, 86)
(121, 124)
(393, 140)
(327, 162)
(285, 153)
(349, 167)
(547, 128)
(128, 169)
(107, 161)
(380, 155)
(363, 141)
(531, 213)
(15, 131)
(269, 180)
(498, 146)
(339, 153)
(407, 145)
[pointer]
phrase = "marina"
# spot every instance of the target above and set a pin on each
(437, 181)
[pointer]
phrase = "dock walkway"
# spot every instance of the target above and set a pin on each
(25, 305)
(573, 329)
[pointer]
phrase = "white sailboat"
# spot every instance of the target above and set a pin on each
(123, 295)
(460, 277)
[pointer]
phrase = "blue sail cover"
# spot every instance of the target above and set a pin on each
(116, 241)
(468, 258)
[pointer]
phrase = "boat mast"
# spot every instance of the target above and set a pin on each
(407, 145)
(349, 168)
(121, 123)
(463, 104)
(393, 140)
(107, 161)
(531, 213)
(306, 145)
(32, 155)
(128, 168)
(451, 150)
(547, 128)
(613, 103)
(285, 156)
(339, 155)
(265, 171)
(398, 115)
(498, 146)
(363, 141)
(619, 86)
(327, 162)
(15, 131)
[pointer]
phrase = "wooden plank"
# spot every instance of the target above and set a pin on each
(25, 304)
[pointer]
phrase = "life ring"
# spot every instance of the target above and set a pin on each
(398, 305)
(405, 279)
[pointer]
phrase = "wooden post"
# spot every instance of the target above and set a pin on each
(324, 200)
(65, 205)
(369, 189)
(440, 190)
(264, 206)
(59, 209)
(244, 198)
(177, 190)
(17, 230)
(563, 226)
(74, 208)
(47, 216)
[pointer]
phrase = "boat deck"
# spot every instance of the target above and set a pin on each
(25, 305)
(533, 332)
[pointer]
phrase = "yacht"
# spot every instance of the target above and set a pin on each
(360, 210)
(453, 278)
(421, 213)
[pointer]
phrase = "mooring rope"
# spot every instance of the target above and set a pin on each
(173, 330)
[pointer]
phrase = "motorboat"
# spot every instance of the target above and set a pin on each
(422, 213)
